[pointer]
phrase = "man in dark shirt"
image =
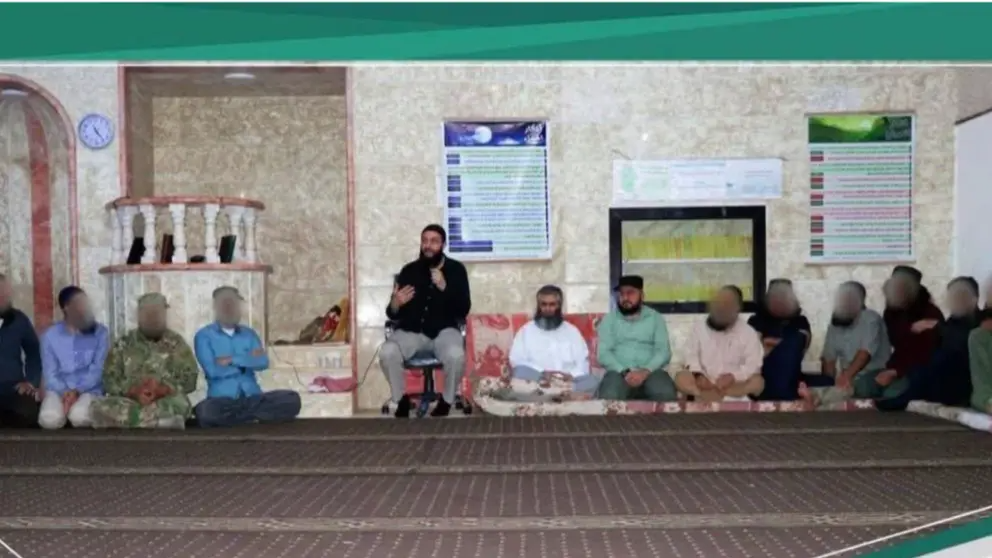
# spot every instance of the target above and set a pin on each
(20, 365)
(430, 301)
(911, 319)
(785, 335)
(946, 378)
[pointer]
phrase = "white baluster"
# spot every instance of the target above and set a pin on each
(235, 213)
(126, 215)
(148, 216)
(117, 240)
(251, 219)
(210, 212)
(178, 211)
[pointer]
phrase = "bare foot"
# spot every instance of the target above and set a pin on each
(806, 395)
(710, 396)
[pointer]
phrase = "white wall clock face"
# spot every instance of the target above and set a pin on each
(96, 131)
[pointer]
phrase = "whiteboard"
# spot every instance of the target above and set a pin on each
(661, 182)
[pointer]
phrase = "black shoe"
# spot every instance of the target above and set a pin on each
(403, 408)
(441, 409)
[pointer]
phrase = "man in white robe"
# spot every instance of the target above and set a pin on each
(549, 352)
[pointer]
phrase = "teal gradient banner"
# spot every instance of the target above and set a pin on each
(495, 31)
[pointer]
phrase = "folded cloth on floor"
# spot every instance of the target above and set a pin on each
(325, 384)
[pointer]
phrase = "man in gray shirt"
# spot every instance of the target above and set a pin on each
(855, 351)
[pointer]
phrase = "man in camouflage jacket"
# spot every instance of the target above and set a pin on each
(147, 375)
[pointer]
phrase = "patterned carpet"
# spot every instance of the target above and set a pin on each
(702, 486)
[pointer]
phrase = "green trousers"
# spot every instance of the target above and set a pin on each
(658, 386)
(122, 412)
(980, 363)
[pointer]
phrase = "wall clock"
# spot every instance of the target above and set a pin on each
(96, 131)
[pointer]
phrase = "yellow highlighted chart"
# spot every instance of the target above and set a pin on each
(694, 247)
(687, 293)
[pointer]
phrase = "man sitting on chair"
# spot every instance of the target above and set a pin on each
(724, 354)
(548, 348)
(430, 300)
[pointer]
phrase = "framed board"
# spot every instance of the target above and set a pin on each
(494, 190)
(685, 181)
(861, 188)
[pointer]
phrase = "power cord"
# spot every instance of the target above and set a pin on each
(282, 363)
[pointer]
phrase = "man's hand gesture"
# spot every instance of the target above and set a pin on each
(401, 296)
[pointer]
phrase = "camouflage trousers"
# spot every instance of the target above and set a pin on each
(123, 412)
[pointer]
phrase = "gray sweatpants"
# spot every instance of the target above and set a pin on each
(448, 347)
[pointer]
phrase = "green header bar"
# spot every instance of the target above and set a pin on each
(533, 31)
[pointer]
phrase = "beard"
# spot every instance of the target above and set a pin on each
(7, 311)
(966, 312)
(86, 324)
(154, 333)
(841, 320)
(718, 324)
(549, 322)
(629, 310)
(432, 261)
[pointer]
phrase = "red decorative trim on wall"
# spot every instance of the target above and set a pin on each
(41, 219)
(349, 103)
(69, 130)
(124, 163)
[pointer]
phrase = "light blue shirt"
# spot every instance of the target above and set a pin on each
(236, 379)
(72, 360)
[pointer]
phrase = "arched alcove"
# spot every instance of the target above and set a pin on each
(37, 197)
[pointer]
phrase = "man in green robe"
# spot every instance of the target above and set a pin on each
(148, 374)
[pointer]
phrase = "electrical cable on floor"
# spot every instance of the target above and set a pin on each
(361, 381)
(282, 363)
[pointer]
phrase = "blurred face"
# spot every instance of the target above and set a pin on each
(6, 295)
(780, 302)
(431, 247)
(899, 291)
(548, 315)
(629, 300)
(79, 313)
(151, 321)
(228, 310)
(847, 306)
(724, 309)
(961, 300)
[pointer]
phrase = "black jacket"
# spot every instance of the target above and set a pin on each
(432, 310)
(954, 334)
(20, 352)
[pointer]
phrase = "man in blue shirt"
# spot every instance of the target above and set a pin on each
(230, 355)
(72, 355)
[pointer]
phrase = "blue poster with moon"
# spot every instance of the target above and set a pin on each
(494, 189)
